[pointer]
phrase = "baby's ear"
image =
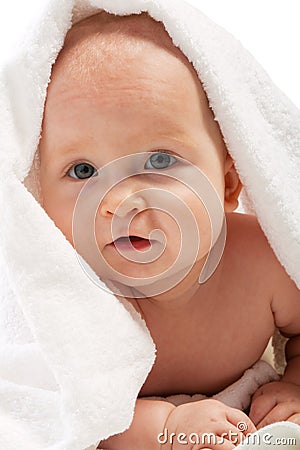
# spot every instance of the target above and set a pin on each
(232, 186)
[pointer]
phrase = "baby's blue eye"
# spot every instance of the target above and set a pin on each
(160, 160)
(82, 171)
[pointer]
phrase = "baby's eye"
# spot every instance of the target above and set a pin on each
(82, 171)
(160, 160)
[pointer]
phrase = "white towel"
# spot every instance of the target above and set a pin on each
(73, 357)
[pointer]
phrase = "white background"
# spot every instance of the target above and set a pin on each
(269, 29)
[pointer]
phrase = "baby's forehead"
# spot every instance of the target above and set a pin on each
(122, 29)
(124, 61)
(117, 40)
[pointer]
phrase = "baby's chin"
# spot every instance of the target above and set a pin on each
(137, 289)
(139, 283)
(150, 278)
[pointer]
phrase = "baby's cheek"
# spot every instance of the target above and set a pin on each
(201, 221)
(193, 232)
(172, 228)
(61, 212)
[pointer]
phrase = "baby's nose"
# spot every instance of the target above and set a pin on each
(122, 201)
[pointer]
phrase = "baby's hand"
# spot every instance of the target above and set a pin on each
(215, 425)
(274, 402)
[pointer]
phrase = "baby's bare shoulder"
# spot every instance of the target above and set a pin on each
(248, 246)
(247, 240)
(249, 260)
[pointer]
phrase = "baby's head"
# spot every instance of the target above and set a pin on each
(120, 87)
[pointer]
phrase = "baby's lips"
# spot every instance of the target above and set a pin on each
(132, 238)
(125, 238)
(129, 242)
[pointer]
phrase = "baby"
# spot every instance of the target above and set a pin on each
(120, 87)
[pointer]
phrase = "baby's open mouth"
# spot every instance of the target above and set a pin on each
(139, 243)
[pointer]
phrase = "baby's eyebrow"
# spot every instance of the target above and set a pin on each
(61, 154)
(162, 142)
(70, 150)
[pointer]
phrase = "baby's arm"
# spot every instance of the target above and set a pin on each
(206, 424)
(153, 418)
(280, 400)
(148, 421)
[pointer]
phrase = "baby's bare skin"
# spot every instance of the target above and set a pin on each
(206, 344)
(229, 317)
(146, 97)
(232, 316)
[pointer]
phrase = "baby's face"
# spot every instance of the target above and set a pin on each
(151, 102)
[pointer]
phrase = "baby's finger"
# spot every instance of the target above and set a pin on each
(225, 443)
(204, 441)
(220, 437)
(260, 407)
(257, 393)
(294, 418)
(279, 413)
(242, 422)
(233, 434)
(219, 443)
